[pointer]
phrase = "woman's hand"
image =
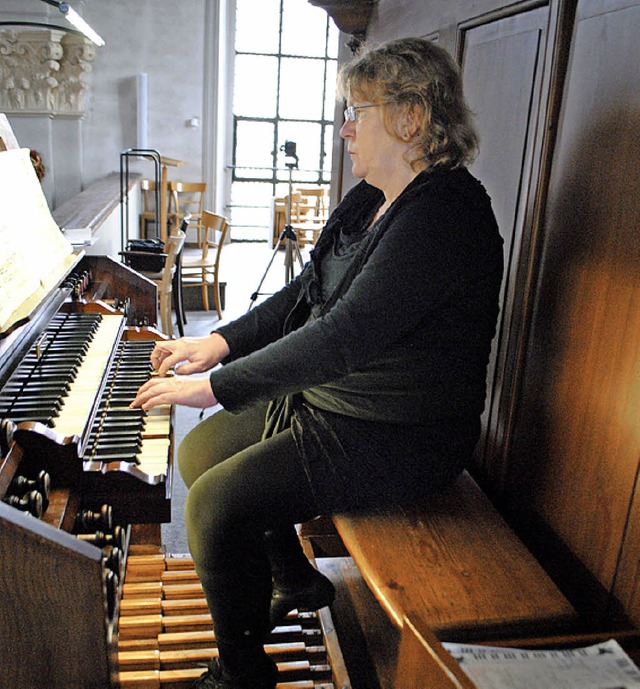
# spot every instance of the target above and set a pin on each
(190, 392)
(189, 354)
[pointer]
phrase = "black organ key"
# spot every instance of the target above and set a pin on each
(117, 435)
(38, 389)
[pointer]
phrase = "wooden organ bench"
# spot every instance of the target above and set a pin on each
(454, 565)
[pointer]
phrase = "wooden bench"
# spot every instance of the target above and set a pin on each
(455, 565)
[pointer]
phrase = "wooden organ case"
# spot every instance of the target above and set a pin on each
(78, 469)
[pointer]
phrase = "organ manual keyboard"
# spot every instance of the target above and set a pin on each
(78, 468)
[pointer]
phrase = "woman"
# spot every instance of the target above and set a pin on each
(361, 383)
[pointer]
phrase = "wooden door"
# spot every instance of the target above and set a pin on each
(503, 68)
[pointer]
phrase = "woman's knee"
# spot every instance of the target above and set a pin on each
(194, 455)
(214, 440)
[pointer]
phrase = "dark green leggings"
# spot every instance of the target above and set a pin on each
(240, 487)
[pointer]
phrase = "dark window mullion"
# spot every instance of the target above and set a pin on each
(276, 129)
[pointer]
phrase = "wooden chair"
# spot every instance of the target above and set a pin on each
(164, 279)
(316, 198)
(309, 212)
(164, 282)
(187, 197)
(150, 206)
(202, 270)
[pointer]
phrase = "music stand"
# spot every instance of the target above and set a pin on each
(288, 235)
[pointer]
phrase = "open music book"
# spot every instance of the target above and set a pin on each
(601, 666)
(34, 254)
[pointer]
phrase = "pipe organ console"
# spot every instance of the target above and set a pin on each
(79, 605)
(87, 598)
(78, 468)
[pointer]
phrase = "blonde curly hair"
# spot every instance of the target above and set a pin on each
(416, 73)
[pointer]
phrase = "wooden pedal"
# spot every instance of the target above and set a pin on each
(166, 638)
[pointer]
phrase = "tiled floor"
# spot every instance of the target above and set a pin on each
(243, 267)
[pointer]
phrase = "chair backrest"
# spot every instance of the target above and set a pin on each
(150, 197)
(215, 229)
(317, 199)
(187, 197)
(296, 205)
(308, 205)
(172, 247)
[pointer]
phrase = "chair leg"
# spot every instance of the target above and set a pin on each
(216, 296)
(177, 305)
(178, 299)
(165, 317)
(205, 291)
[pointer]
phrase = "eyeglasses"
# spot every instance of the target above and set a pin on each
(351, 112)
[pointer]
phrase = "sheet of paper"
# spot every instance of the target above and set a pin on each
(7, 137)
(33, 250)
(601, 666)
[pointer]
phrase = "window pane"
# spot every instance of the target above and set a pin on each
(334, 42)
(307, 138)
(330, 97)
(251, 210)
(254, 220)
(301, 88)
(255, 86)
(304, 29)
(252, 194)
(254, 149)
(257, 26)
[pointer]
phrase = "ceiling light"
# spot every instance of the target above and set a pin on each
(76, 20)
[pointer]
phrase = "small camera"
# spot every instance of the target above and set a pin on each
(289, 148)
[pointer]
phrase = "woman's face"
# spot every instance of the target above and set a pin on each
(375, 153)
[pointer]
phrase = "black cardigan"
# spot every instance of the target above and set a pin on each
(410, 325)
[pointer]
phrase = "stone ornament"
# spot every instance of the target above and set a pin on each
(42, 71)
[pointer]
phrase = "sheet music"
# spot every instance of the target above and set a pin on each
(7, 137)
(33, 250)
(601, 666)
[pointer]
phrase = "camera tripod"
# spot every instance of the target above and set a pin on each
(288, 236)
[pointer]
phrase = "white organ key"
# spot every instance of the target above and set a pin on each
(158, 422)
(83, 391)
(152, 460)
(153, 457)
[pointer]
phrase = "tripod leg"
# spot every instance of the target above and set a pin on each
(288, 262)
(256, 294)
(299, 255)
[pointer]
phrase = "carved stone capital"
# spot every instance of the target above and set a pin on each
(42, 70)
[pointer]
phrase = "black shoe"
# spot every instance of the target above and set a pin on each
(318, 593)
(215, 678)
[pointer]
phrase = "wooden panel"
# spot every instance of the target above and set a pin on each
(424, 662)
(396, 18)
(502, 72)
(53, 622)
(577, 442)
(368, 640)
